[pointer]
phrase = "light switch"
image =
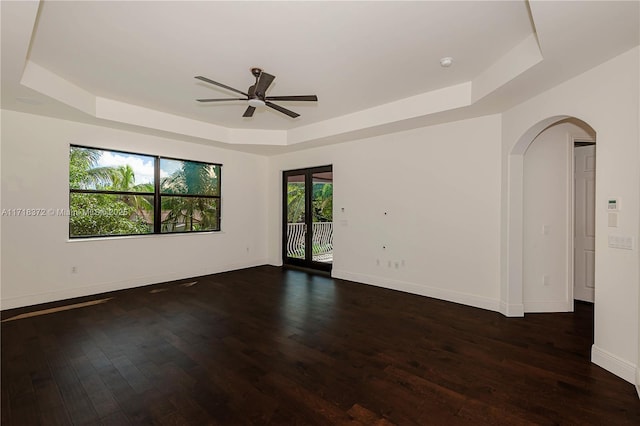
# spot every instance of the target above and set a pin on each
(613, 220)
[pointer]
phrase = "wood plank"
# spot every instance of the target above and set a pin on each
(271, 346)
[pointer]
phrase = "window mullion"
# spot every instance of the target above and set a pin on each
(157, 205)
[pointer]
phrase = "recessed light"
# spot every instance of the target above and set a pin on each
(446, 62)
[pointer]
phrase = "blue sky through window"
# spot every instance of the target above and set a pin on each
(142, 165)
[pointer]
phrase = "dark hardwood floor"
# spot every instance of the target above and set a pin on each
(270, 346)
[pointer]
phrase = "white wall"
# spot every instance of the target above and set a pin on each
(440, 187)
(606, 98)
(638, 363)
(37, 255)
(547, 204)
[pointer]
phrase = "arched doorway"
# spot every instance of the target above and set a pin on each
(517, 296)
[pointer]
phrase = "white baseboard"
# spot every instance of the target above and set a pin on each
(88, 290)
(638, 381)
(610, 362)
(511, 310)
(422, 290)
(541, 306)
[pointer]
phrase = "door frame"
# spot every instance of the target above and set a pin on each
(308, 261)
(511, 278)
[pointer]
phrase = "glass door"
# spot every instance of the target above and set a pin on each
(308, 217)
(295, 217)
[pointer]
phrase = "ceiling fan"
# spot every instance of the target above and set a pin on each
(256, 95)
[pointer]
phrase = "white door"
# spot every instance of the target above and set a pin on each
(584, 233)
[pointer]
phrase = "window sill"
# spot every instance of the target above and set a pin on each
(147, 236)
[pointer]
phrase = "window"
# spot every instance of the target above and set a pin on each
(120, 193)
(190, 196)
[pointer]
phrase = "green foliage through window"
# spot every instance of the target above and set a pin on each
(321, 202)
(114, 193)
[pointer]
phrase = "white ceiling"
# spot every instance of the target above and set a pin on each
(352, 55)
(358, 57)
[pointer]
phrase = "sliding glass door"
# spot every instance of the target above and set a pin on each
(307, 238)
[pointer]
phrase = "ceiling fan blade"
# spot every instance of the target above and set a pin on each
(249, 111)
(199, 77)
(221, 100)
(264, 81)
(313, 98)
(282, 110)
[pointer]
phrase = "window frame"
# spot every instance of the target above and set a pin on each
(156, 194)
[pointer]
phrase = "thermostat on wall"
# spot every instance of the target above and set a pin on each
(613, 204)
